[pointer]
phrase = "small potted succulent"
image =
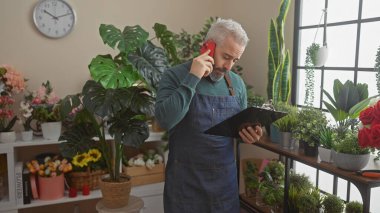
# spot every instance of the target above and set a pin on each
(325, 144)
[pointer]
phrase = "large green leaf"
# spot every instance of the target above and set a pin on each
(167, 40)
(150, 62)
(357, 108)
(274, 43)
(130, 127)
(276, 85)
(338, 114)
(284, 8)
(271, 73)
(105, 70)
(110, 102)
(285, 79)
(128, 41)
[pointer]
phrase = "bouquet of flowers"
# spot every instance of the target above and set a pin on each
(44, 103)
(11, 81)
(50, 167)
(26, 118)
(90, 160)
(369, 127)
(7, 120)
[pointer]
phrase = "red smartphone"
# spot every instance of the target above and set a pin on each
(208, 45)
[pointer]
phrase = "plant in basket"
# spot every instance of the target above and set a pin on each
(80, 146)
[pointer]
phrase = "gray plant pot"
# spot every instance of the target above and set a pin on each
(351, 162)
(324, 154)
(286, 141)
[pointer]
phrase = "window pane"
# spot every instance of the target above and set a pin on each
(301, 90)
(311, 11)
(326, 181)
(369, 43)
(341, 41)
(329, 78)
(342, 188)
(307, 38)
(370, 79)
(342, 10)
(369, 10)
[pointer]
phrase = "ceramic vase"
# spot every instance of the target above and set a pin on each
(51, 130)
(7, 137)
(27, 135)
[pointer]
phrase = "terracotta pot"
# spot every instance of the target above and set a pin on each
(115, 194)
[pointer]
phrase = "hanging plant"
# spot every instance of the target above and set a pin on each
(377, 69)
(311, 55)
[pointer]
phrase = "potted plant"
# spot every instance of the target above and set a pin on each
(354, 207)
(11, 82)
(309, 201)
(251, 178)
(279, 75)
(286, 125)
(349, 155)
(50, 171)
(298, 183)
(282, 107)
(272, 184)
(44, 103)
(26, 118)
(310, 61)
(310, 123)
(332, 204)
(325, 144)
(119, 99)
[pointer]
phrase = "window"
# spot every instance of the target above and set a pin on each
(351, 29)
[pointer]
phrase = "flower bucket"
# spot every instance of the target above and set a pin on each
(7, 137)
(51, 188)
(51, 130)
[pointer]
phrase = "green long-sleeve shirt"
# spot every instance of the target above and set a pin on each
(178, 86)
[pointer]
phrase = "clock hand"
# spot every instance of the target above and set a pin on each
(64, 15)
(54, 17)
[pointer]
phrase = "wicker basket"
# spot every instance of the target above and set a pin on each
(90, 178)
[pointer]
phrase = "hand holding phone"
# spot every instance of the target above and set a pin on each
(208, 45)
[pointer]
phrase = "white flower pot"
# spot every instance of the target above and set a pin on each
(7, 137)
(324, 154)
(51, 130)
(27, 135)
(321, 57)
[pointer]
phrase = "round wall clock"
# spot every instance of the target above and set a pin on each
(54, 18)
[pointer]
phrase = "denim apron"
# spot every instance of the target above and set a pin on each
(201, 175)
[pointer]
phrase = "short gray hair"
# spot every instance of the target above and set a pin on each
(222, 28)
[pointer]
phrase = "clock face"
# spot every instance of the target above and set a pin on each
(54, 18)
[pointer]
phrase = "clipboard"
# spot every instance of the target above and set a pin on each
(248, 117)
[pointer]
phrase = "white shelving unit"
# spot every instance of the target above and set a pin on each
(151, 193)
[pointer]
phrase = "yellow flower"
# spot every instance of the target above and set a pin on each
(94, 155)
(81, 160)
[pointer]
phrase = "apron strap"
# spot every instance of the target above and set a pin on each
(229, 84)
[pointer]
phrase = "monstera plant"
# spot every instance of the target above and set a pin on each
(120, 96)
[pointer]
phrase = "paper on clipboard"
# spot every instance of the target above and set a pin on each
(250, 116)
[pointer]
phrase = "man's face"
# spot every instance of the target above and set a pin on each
(225, 56)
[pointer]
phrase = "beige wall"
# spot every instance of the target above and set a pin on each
(64, 61)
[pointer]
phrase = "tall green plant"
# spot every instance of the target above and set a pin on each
(279, 76)
(349, 99)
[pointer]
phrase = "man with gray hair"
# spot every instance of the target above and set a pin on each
(201, 173)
